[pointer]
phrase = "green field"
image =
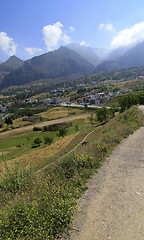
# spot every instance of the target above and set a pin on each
(41, 206)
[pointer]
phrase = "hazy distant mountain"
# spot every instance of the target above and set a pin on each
(131, 58)
(102, 53)
(1, 61)
(86, 52)
(117, 53)
(11, 64)
(49, 66)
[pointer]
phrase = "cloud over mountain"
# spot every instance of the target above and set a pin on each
(7, 44)
(54, 34)
(33, 51)
(129, 36)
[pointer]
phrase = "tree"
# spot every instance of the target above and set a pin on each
(85, 106)
(48, 140)
(101, 114)
(8, 121)
(76, 127)
(37, 141)
(91, 119)
(62, 131)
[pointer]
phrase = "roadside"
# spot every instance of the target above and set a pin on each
(112, 207)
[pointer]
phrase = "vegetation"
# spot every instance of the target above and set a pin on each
(43, 207)
(8, 121)
(48, 140)
(62, 131)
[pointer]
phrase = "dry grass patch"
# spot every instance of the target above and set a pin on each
(29, 128)
(59, 112)
(38, 156)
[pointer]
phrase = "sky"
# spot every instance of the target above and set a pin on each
(32, 27)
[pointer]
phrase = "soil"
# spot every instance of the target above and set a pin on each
(112, 207)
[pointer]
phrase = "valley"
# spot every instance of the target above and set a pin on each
(61, 116)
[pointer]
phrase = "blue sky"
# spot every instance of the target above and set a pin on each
(33, 27)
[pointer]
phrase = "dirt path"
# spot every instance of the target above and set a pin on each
(41, 124)
(112, 207)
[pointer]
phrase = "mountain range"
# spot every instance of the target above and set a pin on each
(61, 63)
(68, 63)
(87, 53)
(123, 58)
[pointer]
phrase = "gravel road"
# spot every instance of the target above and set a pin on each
(113, 206)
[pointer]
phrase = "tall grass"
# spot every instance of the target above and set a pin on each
(46, 207)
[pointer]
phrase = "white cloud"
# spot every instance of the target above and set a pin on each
(7, 44)
(33, 51)
(129, 36)
(82, 43)
(54, 34)
(72, 28)
(107, 27)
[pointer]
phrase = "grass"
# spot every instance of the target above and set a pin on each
(59, 112)
(46, 207)
(50, 114)
(20, 146)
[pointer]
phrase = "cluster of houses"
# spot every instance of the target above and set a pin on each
(53, 101)
(100, 98)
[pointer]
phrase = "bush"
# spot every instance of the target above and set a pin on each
(15, 177)
(62, 132)
(101, 114)
(37, 141)
(76, 127)
(48, 140)
(36, 129)
(56, 126)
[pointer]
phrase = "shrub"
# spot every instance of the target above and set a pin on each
(15, 177)
(62, 132)
(48, 140)
(101, 114)
(37, 141)
(56, 126)
(76, 127)
(36, 129)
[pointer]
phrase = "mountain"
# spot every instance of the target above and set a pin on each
(131, 58)
(86, 52)
(102, 53)
(11, 64)
(117, 53)
(61, 63)
(1, 61)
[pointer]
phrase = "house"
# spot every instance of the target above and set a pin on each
(3, 109)
(48, 101)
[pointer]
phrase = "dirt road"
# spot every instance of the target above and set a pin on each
(113, 206)
(41, 124)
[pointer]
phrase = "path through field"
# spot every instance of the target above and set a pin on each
(113, 206)
(41, 124)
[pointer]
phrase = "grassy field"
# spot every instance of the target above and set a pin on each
(50, 114)
(41, 206)
(20, 146)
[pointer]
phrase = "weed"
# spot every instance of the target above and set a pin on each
(15, 178)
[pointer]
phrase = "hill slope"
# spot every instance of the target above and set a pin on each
(86, 52)
(11, 64)
(52, 65)
(131, 58)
